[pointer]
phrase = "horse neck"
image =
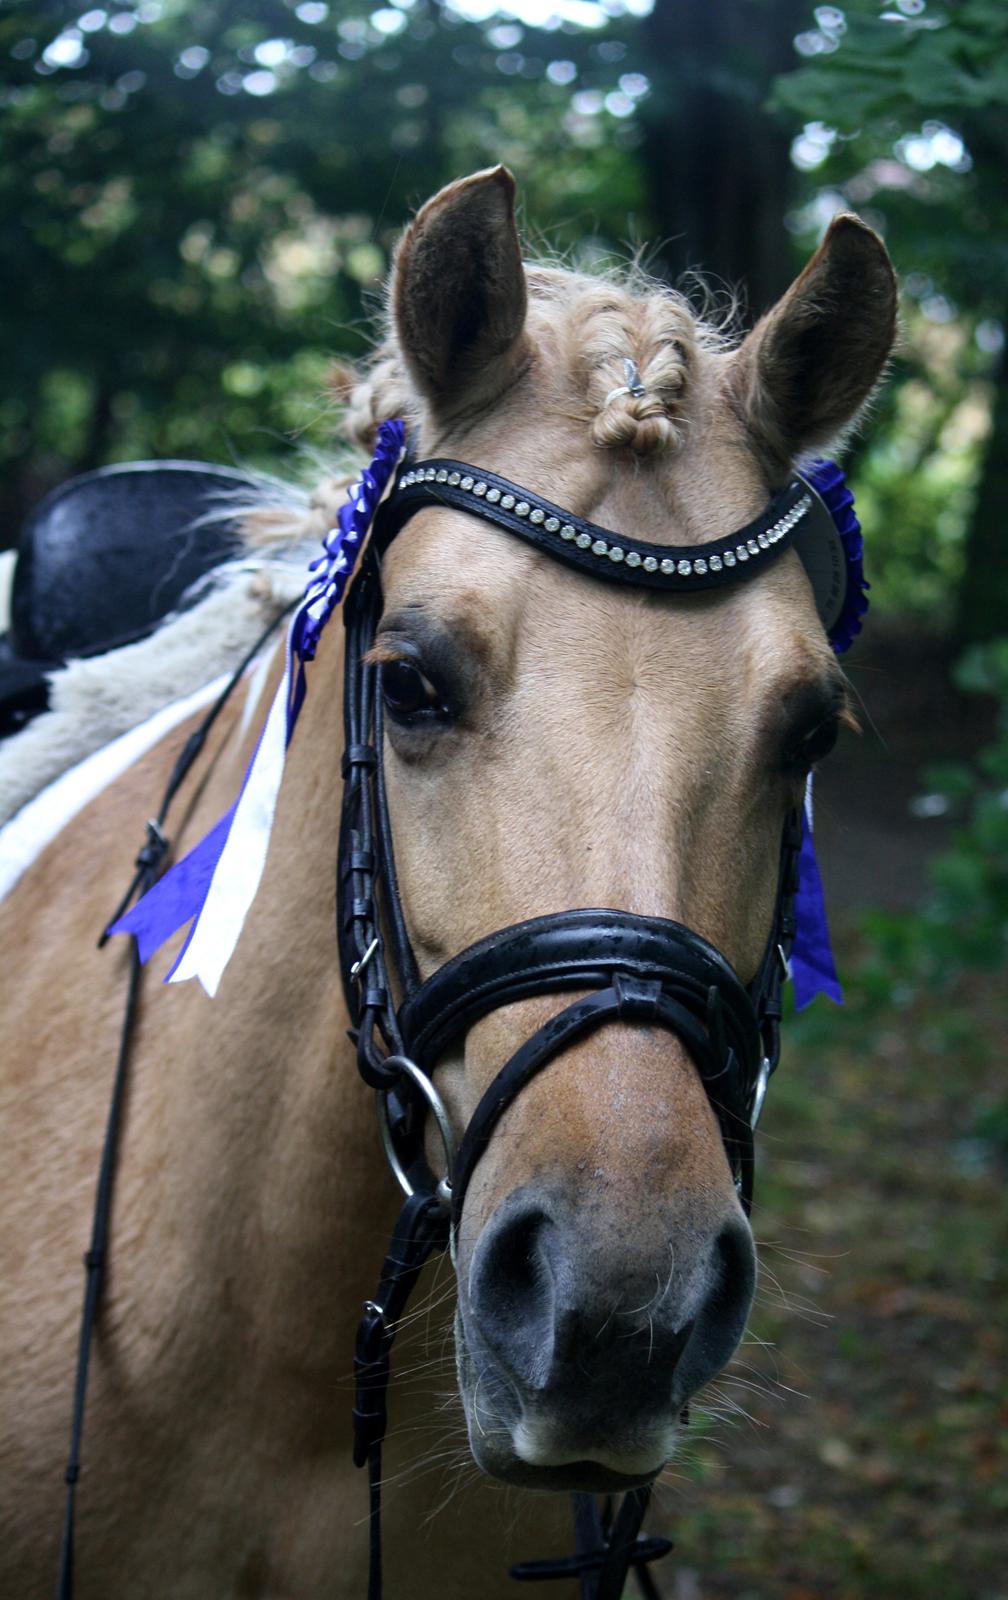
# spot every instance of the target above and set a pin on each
(273, 1169)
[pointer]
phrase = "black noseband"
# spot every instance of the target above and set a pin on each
(641, 969)
(635, 969)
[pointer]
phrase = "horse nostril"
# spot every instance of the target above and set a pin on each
(721, 1319)
(734, 1270)
(552, 1313)
(512, 1290)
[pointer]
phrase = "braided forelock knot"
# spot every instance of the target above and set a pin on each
(647, 415)
(647, 422)
(640, 423)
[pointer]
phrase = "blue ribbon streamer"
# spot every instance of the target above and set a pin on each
(813, 970)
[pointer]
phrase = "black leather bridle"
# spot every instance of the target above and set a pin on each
(621, 966)
(633, 968)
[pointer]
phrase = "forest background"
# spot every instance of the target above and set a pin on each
(198, 201)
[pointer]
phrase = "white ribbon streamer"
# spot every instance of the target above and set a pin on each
(242, 861)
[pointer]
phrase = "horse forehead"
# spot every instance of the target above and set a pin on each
(751, 641)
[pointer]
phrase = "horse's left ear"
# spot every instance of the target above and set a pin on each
(458, 292)
(807, 367)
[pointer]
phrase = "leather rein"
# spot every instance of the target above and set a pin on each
(637, 969)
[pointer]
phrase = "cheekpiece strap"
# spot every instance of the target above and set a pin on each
(584, 545)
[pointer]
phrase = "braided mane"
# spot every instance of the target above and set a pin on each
(583, 327)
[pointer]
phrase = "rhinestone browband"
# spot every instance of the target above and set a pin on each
(585, 545)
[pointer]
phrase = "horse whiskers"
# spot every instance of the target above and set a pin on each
(428, 1364)
(805, 1312)
(419, 1464)
(416, 1471)
(769, 1393)
(656, 1299)
(804, 1258)
(740, 1364)
(785, 1388)
(800, 1307)
(759, 1382)
(452, 1492)
(728, 1409)
(436, 1296)
(754, 1338)
(614, 1312)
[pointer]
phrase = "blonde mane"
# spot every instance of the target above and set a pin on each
(582, 327)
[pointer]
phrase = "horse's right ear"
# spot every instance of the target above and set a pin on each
(808, 366)
(458, 292)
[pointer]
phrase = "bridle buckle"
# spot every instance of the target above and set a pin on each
(358, 967)
(759, 1093)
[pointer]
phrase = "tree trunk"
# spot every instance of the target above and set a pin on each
(983, 594)
(99, 429)
(717, 164)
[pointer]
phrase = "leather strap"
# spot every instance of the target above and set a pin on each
(580, 949)
(148, 865)
(420, 1228)
(598, 551)
(606, 1549)
(629, 999)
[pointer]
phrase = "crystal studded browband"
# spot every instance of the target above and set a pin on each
(585, 545)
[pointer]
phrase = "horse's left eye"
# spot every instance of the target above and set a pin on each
(815, 746)
(406, 691)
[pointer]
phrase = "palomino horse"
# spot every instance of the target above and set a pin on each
(551, 742)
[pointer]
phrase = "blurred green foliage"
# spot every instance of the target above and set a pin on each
(903, 966)
(199, 199)
(905, 118)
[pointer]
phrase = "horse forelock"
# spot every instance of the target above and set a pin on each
(581, 327)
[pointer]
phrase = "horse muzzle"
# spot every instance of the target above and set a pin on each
(577, 1352)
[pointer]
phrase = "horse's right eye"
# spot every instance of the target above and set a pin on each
(407, 692)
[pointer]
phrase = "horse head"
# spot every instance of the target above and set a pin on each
(554, 742)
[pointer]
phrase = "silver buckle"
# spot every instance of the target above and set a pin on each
(358, 966)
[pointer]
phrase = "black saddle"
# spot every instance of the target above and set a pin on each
(102, 560)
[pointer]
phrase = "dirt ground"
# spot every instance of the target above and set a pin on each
(857, 1446)
(872, 845)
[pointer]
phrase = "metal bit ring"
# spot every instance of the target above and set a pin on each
(436, 1106)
